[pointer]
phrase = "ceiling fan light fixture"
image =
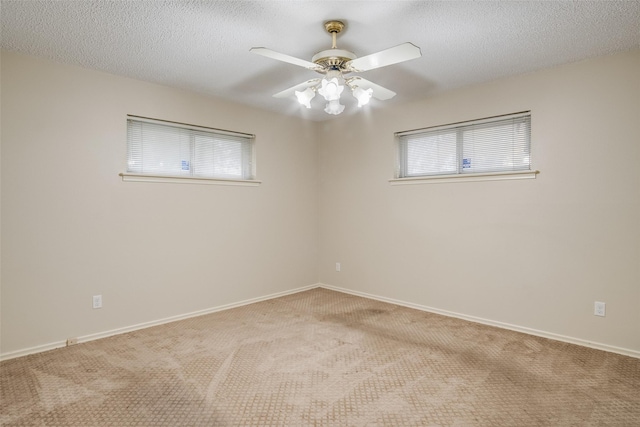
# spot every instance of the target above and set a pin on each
(334, 107)
(305, 96)
(363, 96)
(334, 63)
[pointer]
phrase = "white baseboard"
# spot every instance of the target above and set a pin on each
(105, 334)
(530, 331)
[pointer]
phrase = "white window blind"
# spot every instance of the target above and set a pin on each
(497, 144)
(156, 147)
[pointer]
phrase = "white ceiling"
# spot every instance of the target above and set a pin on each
(203, 46)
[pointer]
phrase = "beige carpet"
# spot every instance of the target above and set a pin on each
(321, 358)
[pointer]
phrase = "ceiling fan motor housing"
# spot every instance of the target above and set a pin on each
(333, 59)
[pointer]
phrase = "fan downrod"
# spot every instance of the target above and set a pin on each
(334, 28)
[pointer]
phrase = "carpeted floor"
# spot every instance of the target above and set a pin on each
(321, 358)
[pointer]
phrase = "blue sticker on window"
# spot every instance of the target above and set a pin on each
(466, 163)
(185, 165)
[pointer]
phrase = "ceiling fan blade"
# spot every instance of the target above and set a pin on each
(393, 55)
(299, 87)
(379, 92)
(284, 58)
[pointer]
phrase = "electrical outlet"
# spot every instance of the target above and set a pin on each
(599, 308)
(72, 341)
(97, 301)
(337, 266)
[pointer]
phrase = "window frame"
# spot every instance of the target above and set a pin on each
(134, 176)
(459, 175)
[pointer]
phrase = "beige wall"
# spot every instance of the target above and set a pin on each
(72, 229)
(533, 253)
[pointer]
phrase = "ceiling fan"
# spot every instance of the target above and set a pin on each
(334, 63)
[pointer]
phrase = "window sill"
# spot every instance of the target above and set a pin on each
(489, 176)
(133, 177)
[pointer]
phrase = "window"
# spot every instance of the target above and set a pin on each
(497, 144)
(159, 148)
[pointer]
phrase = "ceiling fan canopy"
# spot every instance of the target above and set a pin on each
(334, 63)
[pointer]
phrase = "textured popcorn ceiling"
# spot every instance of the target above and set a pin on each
(204, 46)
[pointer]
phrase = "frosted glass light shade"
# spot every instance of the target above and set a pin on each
(305, 96)
(334, 107)
(331, 89)
(363, 96)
